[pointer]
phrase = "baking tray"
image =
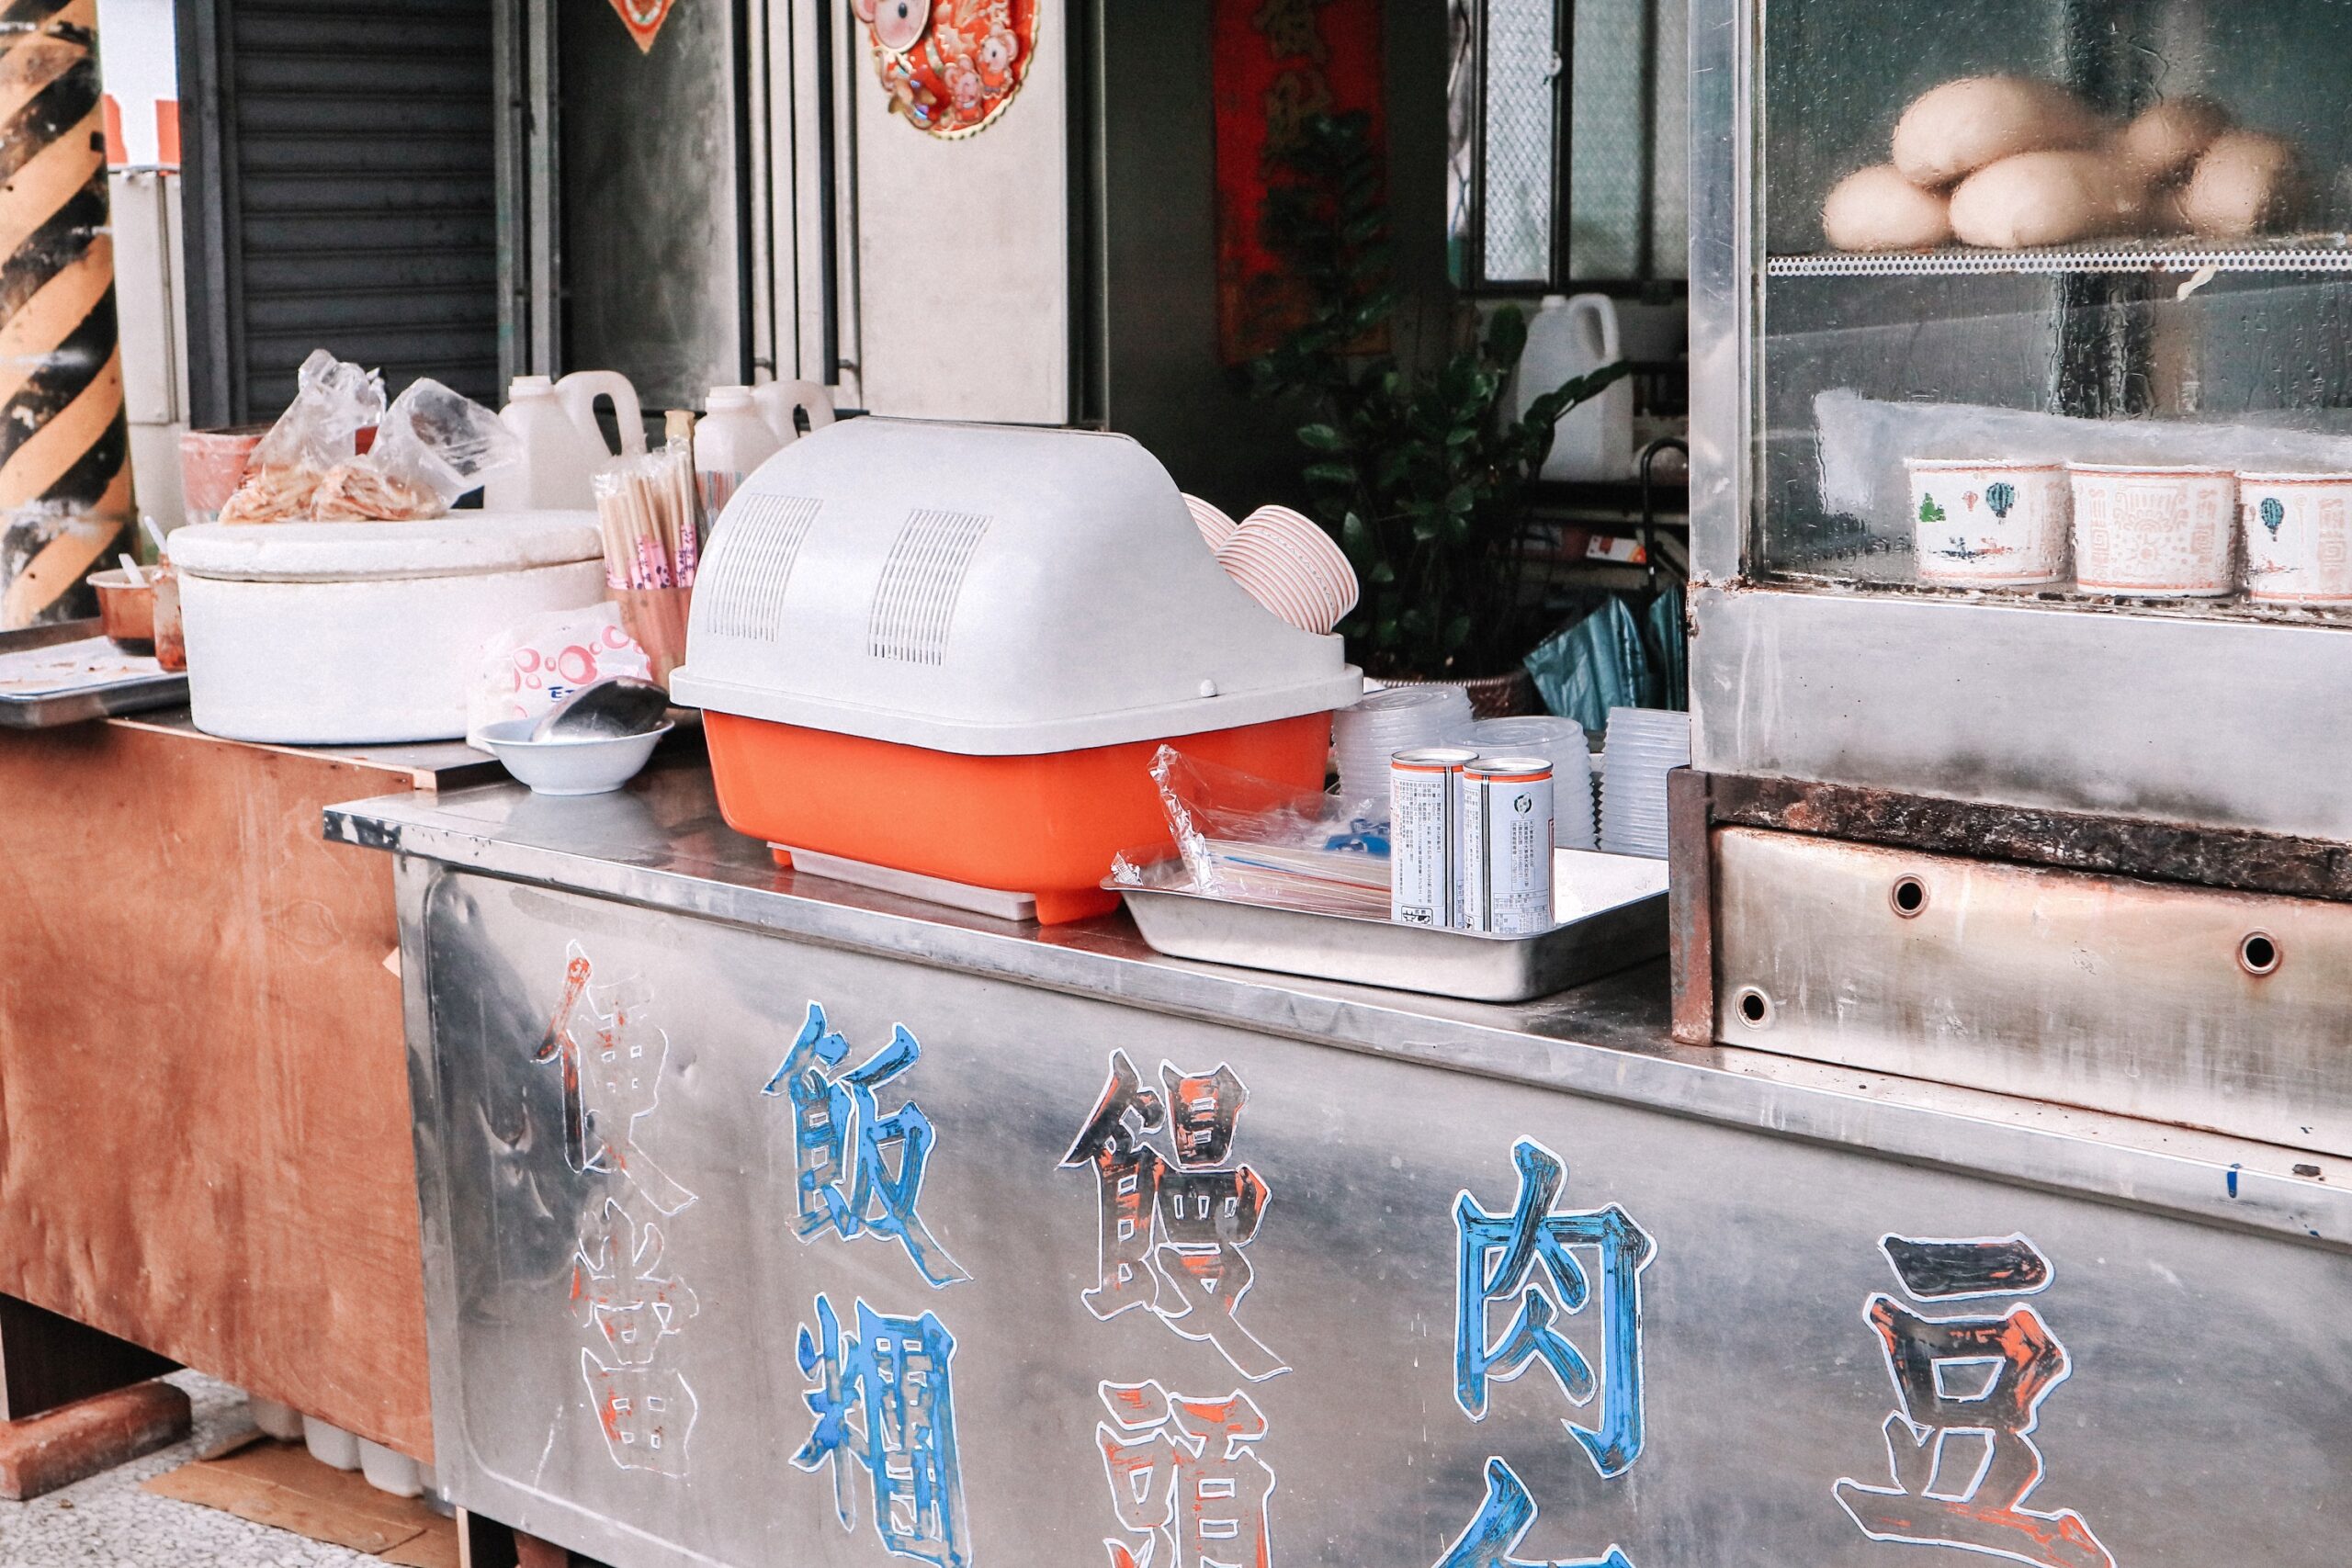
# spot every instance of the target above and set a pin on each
(1625, 897)
(45, 710)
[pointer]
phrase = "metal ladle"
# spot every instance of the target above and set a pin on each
(605, 711)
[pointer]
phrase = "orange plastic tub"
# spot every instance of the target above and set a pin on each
(1046, 825)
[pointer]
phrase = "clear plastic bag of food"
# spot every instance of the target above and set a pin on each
(543, 659)
(334, 401)
(1257, 842)
(432, 446)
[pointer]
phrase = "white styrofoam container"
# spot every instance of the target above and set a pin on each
(988, 591)
(342, 633)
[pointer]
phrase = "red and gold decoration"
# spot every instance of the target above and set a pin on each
(1274, 64)
(950, 66)
(643, 19)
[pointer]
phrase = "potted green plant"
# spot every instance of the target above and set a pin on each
(1421, 477)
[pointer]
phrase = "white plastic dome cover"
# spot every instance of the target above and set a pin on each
(990, 590)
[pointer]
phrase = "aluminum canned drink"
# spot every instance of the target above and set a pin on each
(1507, 855)
(1424, 834)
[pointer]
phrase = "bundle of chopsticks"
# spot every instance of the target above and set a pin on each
(651, 518)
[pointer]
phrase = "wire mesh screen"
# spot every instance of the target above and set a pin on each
(1521, 140)
(1608, 137)
(1566, 141)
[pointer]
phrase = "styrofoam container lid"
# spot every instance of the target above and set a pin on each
(988, 591)
(463, 544)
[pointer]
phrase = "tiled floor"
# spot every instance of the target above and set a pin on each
(107, 1522)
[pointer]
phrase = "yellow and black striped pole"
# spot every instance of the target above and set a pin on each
(64, 448)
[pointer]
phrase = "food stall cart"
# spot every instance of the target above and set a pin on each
(769, 1218)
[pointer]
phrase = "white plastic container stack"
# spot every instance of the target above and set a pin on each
(1561, 742)
(1643, 746)
(1396, 718)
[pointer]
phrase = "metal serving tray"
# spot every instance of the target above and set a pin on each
(1625, 897)
(45, 710)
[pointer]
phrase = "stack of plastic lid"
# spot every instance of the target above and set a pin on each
(1643, 746)
(1561, 740)
(1393, 720)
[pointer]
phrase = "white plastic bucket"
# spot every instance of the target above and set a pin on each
(348, 633)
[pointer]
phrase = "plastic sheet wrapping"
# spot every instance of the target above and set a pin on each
(432, 445)
(441, 441)
(1864, 441)
(1256, 841)
(1598, 663)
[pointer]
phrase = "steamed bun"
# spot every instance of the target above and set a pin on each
(2048, 198)
(2245, 183)
(1878, 209)
(1955, 129)
(2167, 137)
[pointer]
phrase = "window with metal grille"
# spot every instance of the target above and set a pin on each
(1566, 145)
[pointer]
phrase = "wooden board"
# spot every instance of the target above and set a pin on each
(279, 1485)
(204, 1115)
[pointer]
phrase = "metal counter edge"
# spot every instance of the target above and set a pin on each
(2094, 1155)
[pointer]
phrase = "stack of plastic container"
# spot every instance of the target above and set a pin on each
(1562, 742)
(1393, 720)
(1643, 746)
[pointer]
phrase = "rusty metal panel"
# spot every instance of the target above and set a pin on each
(2210, 1009)
(2160, 851)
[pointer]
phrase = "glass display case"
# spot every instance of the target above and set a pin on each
(2022, 403)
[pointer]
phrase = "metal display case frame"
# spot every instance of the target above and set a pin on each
(2011, 700)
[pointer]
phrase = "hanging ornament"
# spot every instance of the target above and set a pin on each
(643, 19)
(950, 66)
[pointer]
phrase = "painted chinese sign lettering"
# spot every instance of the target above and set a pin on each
(611, 1060)
(1174, 1232)
(885, 1415)
(1970, 1386)
(1186, 1480)
(623, 1299)
(842, 1145)
(1508, 1514)
(1496, 1261)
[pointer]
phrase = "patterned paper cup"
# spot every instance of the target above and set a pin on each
(2296, 528)
(2154, 533)
(1989, 525)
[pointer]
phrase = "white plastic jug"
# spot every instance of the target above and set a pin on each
(1572, 337)
(731, 442)
(776, 402)
(562, 447)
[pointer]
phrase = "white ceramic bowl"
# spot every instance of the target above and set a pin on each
(569, 767)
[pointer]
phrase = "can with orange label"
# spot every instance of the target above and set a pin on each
(1424, 835)
(1507, 845)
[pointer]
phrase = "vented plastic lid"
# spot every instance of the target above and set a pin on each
(990, 590)
(464, 544)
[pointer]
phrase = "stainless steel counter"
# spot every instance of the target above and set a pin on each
(662, 844)
(768, 1219)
